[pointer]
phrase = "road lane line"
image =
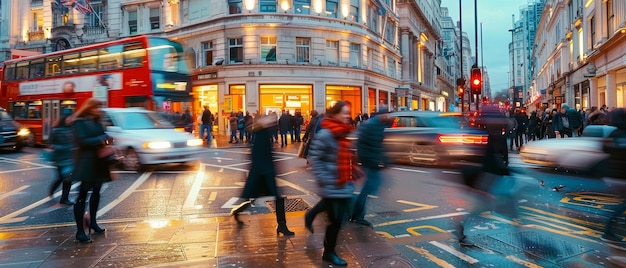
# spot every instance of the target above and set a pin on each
(190, 202)
(125, 194)
(10, 160)
(431, 257)
(411, 170)
(22, 169)
(422, 219)
(523, 262)
(212, 196)
(7, 194)
(11, 218)
(454, 252)
(287, 173)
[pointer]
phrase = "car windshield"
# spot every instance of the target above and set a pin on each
(139, 120)
(4, 116)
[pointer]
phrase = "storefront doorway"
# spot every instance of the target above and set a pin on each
(351, 94)
(292, 98)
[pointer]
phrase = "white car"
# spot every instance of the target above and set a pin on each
(583, 153)
(143, 137)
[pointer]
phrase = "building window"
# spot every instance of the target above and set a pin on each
(372, 14)
(60, 15)
(236, 50)
(303, 49)
(37, 21)
(392, 67)
(155, 18)
(331, 8)
(354, 13)
(268, 49)
(267, 6)
(610, 17)
(207, 53)
(132, 22)
(390, 31)
(234, 6)
(302, 7)
(592, 32)
(93, 18)
(332, 52)
(355, 55)
(368, 58)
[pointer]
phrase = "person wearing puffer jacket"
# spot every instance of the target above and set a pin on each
(332, 166)
(62, 143)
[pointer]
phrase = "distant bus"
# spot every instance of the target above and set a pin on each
(143, 71)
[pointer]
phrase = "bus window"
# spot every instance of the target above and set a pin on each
(134, 55)
(9, 72)
(53, 66)
(18, 110)
(110, 57)
(34, 110)
(22, 70)
(36, 68)
(88, 61)
(70, 63)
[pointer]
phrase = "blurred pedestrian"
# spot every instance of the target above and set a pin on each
(297, 128)
(92, 172)
(533, 126)
(567, 122)
(241, 126)
(309, 133)
(232, 123)
(284, 126)
(548, 123)
(248, 122)
(332, 166)
(261, 180)
(206, 121)
(522, 123)
(371, 154)
(62, 143)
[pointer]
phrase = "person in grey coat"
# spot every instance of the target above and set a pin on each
(92, 172)
(331, 164)
(62, 142)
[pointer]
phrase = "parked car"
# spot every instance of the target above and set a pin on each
(433, 138)
(582, 154)
(12, 134)
(145, 138)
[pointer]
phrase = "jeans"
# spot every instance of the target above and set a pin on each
(298, 131)
(283, 138)
(372, 183)
(233, 135)
(204, 128)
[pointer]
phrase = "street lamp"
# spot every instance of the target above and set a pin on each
(482, 62)
(513, 31)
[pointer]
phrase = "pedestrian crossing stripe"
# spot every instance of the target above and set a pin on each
(431, 257)
(522, 262)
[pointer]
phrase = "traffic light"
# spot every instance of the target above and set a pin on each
(460, 91)
(476, 83)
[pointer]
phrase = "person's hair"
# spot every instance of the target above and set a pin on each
(314, 113)
(336, 109)
(87, 106)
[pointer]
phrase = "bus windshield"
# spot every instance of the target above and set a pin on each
(167, 56)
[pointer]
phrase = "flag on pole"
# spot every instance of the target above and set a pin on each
(82, 6)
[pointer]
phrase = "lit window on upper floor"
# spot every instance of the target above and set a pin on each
(268, 6)
(234, 6)
(302, 7)
(268, 49)
(331, 8)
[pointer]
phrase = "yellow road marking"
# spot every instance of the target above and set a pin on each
(431, 257)
(413, 232)
(418, 205)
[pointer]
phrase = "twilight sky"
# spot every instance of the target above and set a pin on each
(497, 18)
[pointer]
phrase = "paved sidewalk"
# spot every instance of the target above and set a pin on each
(201, 242)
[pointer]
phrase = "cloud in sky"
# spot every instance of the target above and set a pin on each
(497, 18)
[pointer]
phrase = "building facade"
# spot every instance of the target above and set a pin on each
(580, 54)
(265, 55)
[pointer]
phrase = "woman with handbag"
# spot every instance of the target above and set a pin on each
(62, 143)
(332, 165)
(89, 169)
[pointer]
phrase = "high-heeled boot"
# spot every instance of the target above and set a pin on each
(79, 212)
(281, 219)
(236, 210)
(94, 202)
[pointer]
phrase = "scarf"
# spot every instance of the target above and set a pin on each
(344, 157)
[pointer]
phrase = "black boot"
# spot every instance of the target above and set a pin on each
(65, 193)
(94, 202)
(280, 217)
(79, 212)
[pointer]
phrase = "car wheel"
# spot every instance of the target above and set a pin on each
(423, 154)
(131, 160)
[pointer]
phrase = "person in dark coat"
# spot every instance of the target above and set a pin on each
(371, 155)
(92, 172)
(261, 180)
(533, 126)
(62, 142)
(309, 133)
(285, 125)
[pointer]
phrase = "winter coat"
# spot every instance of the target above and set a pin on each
(323, 159)
(309, 134)
(232, 121)
(369, 145)
(261, 180)
(62, 142)
(89, 136)
(285, 123)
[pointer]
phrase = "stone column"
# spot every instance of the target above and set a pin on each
(594, 95)
(611, 90)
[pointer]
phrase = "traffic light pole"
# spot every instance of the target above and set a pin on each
(461, 53)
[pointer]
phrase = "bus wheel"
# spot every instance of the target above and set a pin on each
(131, 160)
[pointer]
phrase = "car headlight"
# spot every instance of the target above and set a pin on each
(195, 142)
(157, 145)
(23, 132)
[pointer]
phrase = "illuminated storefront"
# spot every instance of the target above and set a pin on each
(350, 94)
(292, 98)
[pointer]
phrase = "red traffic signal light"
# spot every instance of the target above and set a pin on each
(476, 82)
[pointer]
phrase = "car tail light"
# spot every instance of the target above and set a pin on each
(463, 138)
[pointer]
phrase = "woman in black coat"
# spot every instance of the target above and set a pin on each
(91, 171)
(261, 180)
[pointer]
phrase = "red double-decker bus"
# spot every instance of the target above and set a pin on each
(143, 71)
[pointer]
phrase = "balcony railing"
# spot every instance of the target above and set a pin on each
(36, 35)
(94, 30)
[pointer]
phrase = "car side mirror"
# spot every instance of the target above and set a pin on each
(114, 129)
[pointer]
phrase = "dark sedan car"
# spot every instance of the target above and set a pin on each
(433, 138)
(12, 134)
